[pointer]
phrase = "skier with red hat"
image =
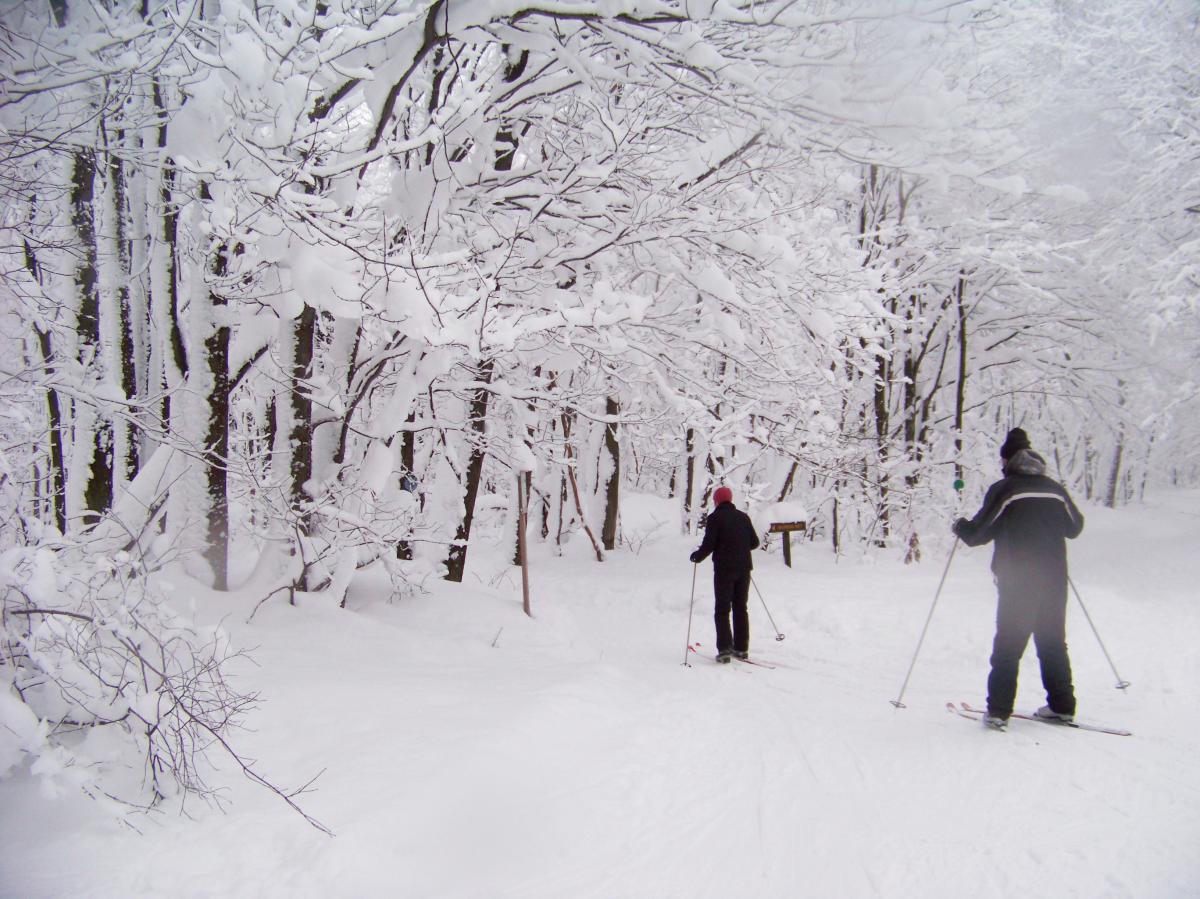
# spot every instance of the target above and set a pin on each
(729, 537)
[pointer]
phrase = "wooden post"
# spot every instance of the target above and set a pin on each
(522, 548)
(786, 528)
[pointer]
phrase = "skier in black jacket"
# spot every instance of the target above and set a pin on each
(728, 538)
(1029, 516)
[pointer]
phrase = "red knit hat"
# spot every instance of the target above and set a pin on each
(722, 495)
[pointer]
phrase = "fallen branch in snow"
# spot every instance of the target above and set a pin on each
(88, 642)
(289, 589)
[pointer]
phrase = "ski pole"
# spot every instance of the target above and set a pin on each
(1121, 684)
(778, 635)
(691, 604)
(898, 702)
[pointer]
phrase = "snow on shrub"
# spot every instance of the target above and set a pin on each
(103, 687)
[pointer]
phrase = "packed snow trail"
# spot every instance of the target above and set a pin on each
(470, 752)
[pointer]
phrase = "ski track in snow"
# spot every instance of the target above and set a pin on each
(578, 757)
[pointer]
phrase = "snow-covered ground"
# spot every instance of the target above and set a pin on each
(468, 751)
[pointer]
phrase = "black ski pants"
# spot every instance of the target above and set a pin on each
(732, 591)
(1038, 609)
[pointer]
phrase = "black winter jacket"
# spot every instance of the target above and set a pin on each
(728, 537)
(1029, 516)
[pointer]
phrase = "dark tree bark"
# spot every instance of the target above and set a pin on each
(57, 494)
(689, 478)
(129, 462)
(507, 140)
(97, 492)
(960, 388)
(216, 438)
(788, 482)
(574, 482)
(300, 438)
(456, 560)
(173, 360)
(1114, 473)
(525, 483)
(612, 490)
(408, 454)
(57, 472)
(507, 137)
(522, 538)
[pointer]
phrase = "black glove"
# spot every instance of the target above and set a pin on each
(959, 526)
(695, 557)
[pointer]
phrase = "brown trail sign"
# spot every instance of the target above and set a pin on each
(786, 528)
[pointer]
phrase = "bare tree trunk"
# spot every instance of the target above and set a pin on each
(710, 482)
(835, 524)
(98, 488)
(912, 552)
(787, 482)
(1112, 493)
(689, 480)
(300, 436)
(562, 510)
(140, 218)
(456, 560)
(120, 357)
(612, 491)
(1146, 468)
(216, 438)
(960, 388)
(57, 473)
(168, 361)
(571, 479)
(55, 496)
(1089, 474)
(407, 462)
(525, 480)
(1114, 474)
(882, 421)
(522, 538)
(912, 447)
(172, 362)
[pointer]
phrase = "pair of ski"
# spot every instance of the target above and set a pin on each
(967, 711)
(755, 662)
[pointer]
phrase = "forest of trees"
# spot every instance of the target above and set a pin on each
(325, 280)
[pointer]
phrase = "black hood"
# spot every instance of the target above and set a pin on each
(1025, 461)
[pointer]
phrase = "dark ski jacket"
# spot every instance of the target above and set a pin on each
(728, 538)
(1029, 517)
